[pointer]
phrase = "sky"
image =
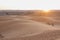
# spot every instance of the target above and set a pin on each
(29, 4)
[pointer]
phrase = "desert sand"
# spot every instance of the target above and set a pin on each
(25, 28)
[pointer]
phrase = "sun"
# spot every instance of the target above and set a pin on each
(46, 10)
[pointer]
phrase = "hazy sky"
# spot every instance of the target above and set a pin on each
(30, 4)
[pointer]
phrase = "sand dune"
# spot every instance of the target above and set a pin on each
(22, 28)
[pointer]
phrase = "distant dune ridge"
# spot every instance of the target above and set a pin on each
(51, 13)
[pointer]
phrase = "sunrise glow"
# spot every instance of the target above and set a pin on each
(46, 10)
